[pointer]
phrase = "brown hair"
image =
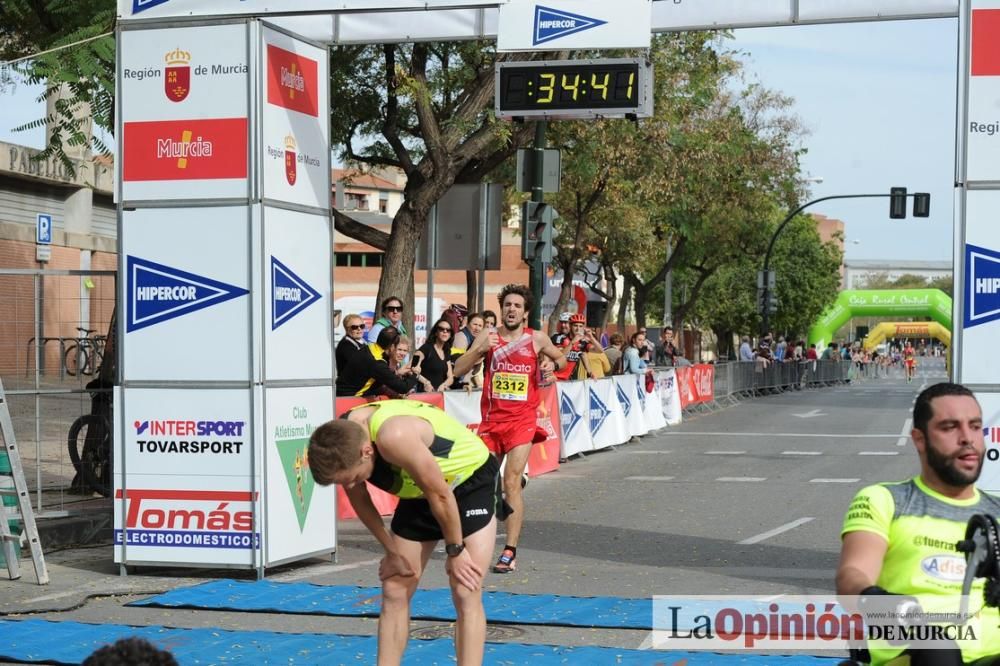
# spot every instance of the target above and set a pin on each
(334, 447)
(520, 290)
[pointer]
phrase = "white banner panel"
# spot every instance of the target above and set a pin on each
(298, 338)
(670, 397)
(149, 9)
(295, 121)
(187, 432)
(981, 289)
(574, 24)
(607, 415)
(463, 407)
(653, 409)
(201, 520)
(627, 387)
(186, 294)
(990, 478)
(446, 25)
(300, 515)
(574, 418)
(983, 130)
(184, 113)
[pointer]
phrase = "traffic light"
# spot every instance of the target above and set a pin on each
(772, 302)
(921, 204)
(897, 203)
(537, 220)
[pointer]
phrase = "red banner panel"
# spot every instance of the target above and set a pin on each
(292, 81)
(696, 384)
(201, 149)
(985, 60)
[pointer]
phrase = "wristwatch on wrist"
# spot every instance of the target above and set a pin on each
(454, 549)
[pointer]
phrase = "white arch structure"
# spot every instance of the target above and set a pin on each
(226, 260)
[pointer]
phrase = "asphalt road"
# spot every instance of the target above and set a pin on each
(745, 500)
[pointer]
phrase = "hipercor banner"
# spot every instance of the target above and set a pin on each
(653, 408)
(574, 418)
(670, 397)
(184, 113)
(607, 415)
(186, 294)
(295, 121)
(556, 25)
(149, 9)
(299, 513)
(981, 286)
(628, 389)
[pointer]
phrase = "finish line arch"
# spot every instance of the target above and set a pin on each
(932, 303)
(906, 329)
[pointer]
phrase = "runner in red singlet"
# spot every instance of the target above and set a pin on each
(510, 398)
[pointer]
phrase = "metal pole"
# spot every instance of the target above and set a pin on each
(431, 263)
(536, 270)
(668, 290)
(765, 315)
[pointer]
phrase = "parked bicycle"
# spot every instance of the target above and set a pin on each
(85, 354)
(90, 442)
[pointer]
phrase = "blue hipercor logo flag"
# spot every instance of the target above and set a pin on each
(290, 294)
(624, 399)
(142, 5)
(552, 24)
(982, 286)
(598, 412)
(157, 292)
(567, 415)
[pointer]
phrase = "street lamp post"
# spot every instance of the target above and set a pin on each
(766, 288)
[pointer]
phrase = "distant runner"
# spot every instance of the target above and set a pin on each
(910, 362)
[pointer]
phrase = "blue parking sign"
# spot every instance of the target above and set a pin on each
(43, 228)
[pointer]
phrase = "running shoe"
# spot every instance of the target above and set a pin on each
(506, 563)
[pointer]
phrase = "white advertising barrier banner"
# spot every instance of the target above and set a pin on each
(463, 407)
(186, 432)
(574, 418)
(295, 121)
(300, 515)
(574, 24)
(627, 388)
(297, 280)
(203, 520)
(653, 408)
(150, 9)
(607, 415)
(184, 113)
(989, 480)
(981, 288)
(670, 397)
(187, 310)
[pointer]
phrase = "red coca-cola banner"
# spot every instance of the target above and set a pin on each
(696, 384)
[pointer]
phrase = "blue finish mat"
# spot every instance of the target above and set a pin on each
(348, 600)
(42, 641)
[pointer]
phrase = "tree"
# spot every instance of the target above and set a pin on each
(425, 109)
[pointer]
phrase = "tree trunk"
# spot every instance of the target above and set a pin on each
(472, 292)
(623, 305)
(640, 307)
(400, 255)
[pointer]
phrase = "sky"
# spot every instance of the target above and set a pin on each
(877, 98)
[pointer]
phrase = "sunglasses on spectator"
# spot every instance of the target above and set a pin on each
(357, 327)
(441, 328)
(394, 308)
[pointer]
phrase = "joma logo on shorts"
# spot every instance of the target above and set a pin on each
(477, 512)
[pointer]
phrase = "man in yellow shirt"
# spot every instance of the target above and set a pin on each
(899, 538)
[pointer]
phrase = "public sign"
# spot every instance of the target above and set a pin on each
(977, 327)
(295, 122)
(184, 120)
(982, 286)
(43, 228)
(557, 25)
(983, 131)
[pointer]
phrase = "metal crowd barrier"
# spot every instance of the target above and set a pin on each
(747, 379)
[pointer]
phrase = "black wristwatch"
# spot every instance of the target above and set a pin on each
(454, 549)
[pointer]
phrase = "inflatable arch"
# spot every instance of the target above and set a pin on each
(906, 329)
(932, 303)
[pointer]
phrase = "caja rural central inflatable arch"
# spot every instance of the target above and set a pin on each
(932, 303)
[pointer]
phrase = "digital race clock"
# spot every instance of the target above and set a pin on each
(563, 89)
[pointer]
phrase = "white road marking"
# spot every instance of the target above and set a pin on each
(878, 453)
(810, 414)
(739, 479)
(783, 434)
(643, 453)
(776, 531)
(904, 434)
(323, 569)
(834, 480)
(649, 478)
(57, 595)
(724, 453)
(801, 453)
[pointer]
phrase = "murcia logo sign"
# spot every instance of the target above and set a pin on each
(982, 286)
(290, 294)
(292, 81)
(551, 24)
(157, 293)
(177, 79)
(291, 173)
